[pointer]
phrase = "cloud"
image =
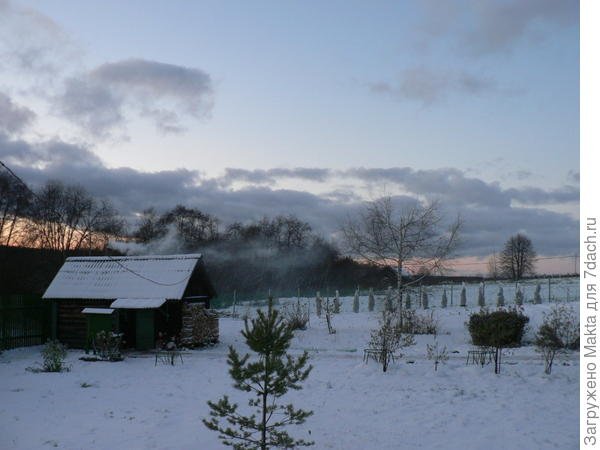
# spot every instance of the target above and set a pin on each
(13, 118)
(165, 93)
(269, 176)
(490, 213)
(487, 27)
(31, 42)
(427, 86)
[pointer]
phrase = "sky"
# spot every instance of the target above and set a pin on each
(246, 109)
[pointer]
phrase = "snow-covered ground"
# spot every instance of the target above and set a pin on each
(134, 404)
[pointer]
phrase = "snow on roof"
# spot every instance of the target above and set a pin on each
(111, 277)
(138, 303)
(97, 311)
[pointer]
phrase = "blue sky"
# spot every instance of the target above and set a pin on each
(469, 95)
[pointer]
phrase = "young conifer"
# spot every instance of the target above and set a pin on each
(268, 377)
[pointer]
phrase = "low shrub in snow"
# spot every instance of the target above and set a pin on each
(389, 337)
(437, 354)
(54, 354)
(560, 331)
(107, 345)
(296, 317)
(415, 323)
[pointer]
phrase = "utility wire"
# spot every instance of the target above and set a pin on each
(115, 260)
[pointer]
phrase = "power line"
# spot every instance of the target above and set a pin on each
(16, 177)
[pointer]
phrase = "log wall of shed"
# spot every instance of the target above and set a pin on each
(71, 322)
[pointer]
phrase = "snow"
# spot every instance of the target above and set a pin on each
(134, 404)
(138, 303)
(123, 277)
(97, 311)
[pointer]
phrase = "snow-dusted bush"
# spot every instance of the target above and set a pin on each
(328, 314)
(444, 303)
(319, 302)
(415, 323)
(558, 332)
(336, 303)
(437, 354)
(481, 296)
(519, 297)
(107, 345)
(371, 304)
(498, 329)
(500, 297)
(356, 302)
(424, 299)
(408, 301)
(388, 338)
(463, 295)
(537, 295)
(389, 306)
(296, 317)
(54, 354)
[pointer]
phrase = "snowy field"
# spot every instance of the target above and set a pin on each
(134, 405)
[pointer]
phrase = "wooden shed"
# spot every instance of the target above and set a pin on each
(140, 296)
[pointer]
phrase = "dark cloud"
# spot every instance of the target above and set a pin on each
(490, 213)
(427, 86)
(269, 176)
(13, 118)
(165, 93)
(486, 27)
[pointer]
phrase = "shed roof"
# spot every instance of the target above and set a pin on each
(111, 277)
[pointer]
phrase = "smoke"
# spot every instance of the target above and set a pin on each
(248, 267)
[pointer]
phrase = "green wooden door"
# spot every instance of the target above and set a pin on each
(144, 333)
(97, 323)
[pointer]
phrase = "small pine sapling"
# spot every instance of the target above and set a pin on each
(408, 301)
(424, 299)
(500, 297)
(481, 296)
(268, 377)
(537, 295)
(444, 303)
(371, 304)
(336, 302)
(328, 314)
(463, 295)
(519, 297)
(437, 354)
(319, 302)
(389, 306)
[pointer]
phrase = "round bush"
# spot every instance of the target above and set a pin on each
(497, 329)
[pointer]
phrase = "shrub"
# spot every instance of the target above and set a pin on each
(437, 354)
(107, 345)
(389, 337)
(498, 329)
(414, 323)
(296, 317)
(54, 354)
(502, 328)
(559, 331)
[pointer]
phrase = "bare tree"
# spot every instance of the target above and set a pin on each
(493, 266)
(410, 238)
(68, 218)
(14, 201)
(517, 258)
